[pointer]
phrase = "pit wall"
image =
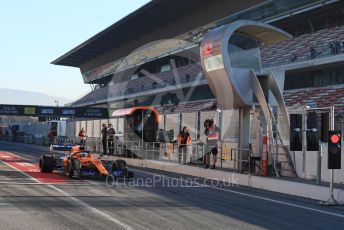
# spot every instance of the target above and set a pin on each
(228, 122)
(306, 167)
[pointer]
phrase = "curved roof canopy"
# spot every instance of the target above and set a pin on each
(150, 16)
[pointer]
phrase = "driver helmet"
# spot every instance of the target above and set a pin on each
(75, 149)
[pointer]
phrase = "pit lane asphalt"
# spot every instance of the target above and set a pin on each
(174, 201)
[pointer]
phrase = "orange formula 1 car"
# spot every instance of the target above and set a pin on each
(80, 163)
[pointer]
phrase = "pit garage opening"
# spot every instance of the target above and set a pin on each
(141, 123)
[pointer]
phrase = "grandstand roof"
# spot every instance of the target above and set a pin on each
(150, 16)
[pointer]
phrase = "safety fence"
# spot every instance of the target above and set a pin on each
(228, 158)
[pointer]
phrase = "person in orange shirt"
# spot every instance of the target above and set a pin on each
(183, 140)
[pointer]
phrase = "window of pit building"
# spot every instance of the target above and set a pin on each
(165, 67)
(332, 75)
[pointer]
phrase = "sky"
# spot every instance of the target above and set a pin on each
(36, 32)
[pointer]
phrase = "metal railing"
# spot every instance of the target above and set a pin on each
(192, 154)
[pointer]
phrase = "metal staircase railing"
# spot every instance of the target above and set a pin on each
(285, 166)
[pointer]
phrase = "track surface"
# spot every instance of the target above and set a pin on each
(153, 200)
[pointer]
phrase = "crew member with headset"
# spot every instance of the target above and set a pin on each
(213, 134)
(82, 136)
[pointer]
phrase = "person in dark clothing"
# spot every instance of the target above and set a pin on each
(104, 138)
(111, 134)
(332, 48)
(313, 52)
(183, 139)
(7, 134)
(337, 47)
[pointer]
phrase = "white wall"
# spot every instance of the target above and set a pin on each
(172, 122)
(310, 169)
(96, 128)
(89, 128)
(230, 125)
(189, 120)
(120, 127)
(77, 127)
(161, 123)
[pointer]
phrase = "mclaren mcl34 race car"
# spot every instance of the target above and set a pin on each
(80, 163)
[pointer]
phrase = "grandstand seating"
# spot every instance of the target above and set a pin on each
(93, 96)
(187, 107)
(281, 53)
(298, 48)
(181, 75)
(316, 97)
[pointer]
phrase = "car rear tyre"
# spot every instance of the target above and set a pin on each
(46, 163)
(119, 165)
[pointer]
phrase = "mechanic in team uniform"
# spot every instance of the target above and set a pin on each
(213, 134)
(52, 135)
(104, 138)
(82, 136)
(111, 139)
(183, 139)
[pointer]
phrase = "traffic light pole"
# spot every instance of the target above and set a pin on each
(331, 201)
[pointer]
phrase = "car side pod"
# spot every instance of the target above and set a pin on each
(46, 163)
(99, 165)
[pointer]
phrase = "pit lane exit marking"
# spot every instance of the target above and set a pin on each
(30, 169)
(27, 164)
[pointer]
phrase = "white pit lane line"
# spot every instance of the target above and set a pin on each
(94, 210)
(248, 195)
(81, 203)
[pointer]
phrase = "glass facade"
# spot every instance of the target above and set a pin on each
(271, 9)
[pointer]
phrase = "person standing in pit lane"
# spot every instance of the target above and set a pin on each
(104, 138)
(52, 135)
(183, 139)
(82, 136)
(110, 135)
(213, 134)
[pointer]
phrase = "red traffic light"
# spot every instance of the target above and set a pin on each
(335, 138)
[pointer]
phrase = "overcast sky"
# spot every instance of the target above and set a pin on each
(36, 32)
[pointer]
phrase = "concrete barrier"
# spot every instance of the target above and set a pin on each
(283, 186)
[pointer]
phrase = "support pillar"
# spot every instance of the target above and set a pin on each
(244, 135)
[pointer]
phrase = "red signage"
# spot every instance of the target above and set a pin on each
(207, 48)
